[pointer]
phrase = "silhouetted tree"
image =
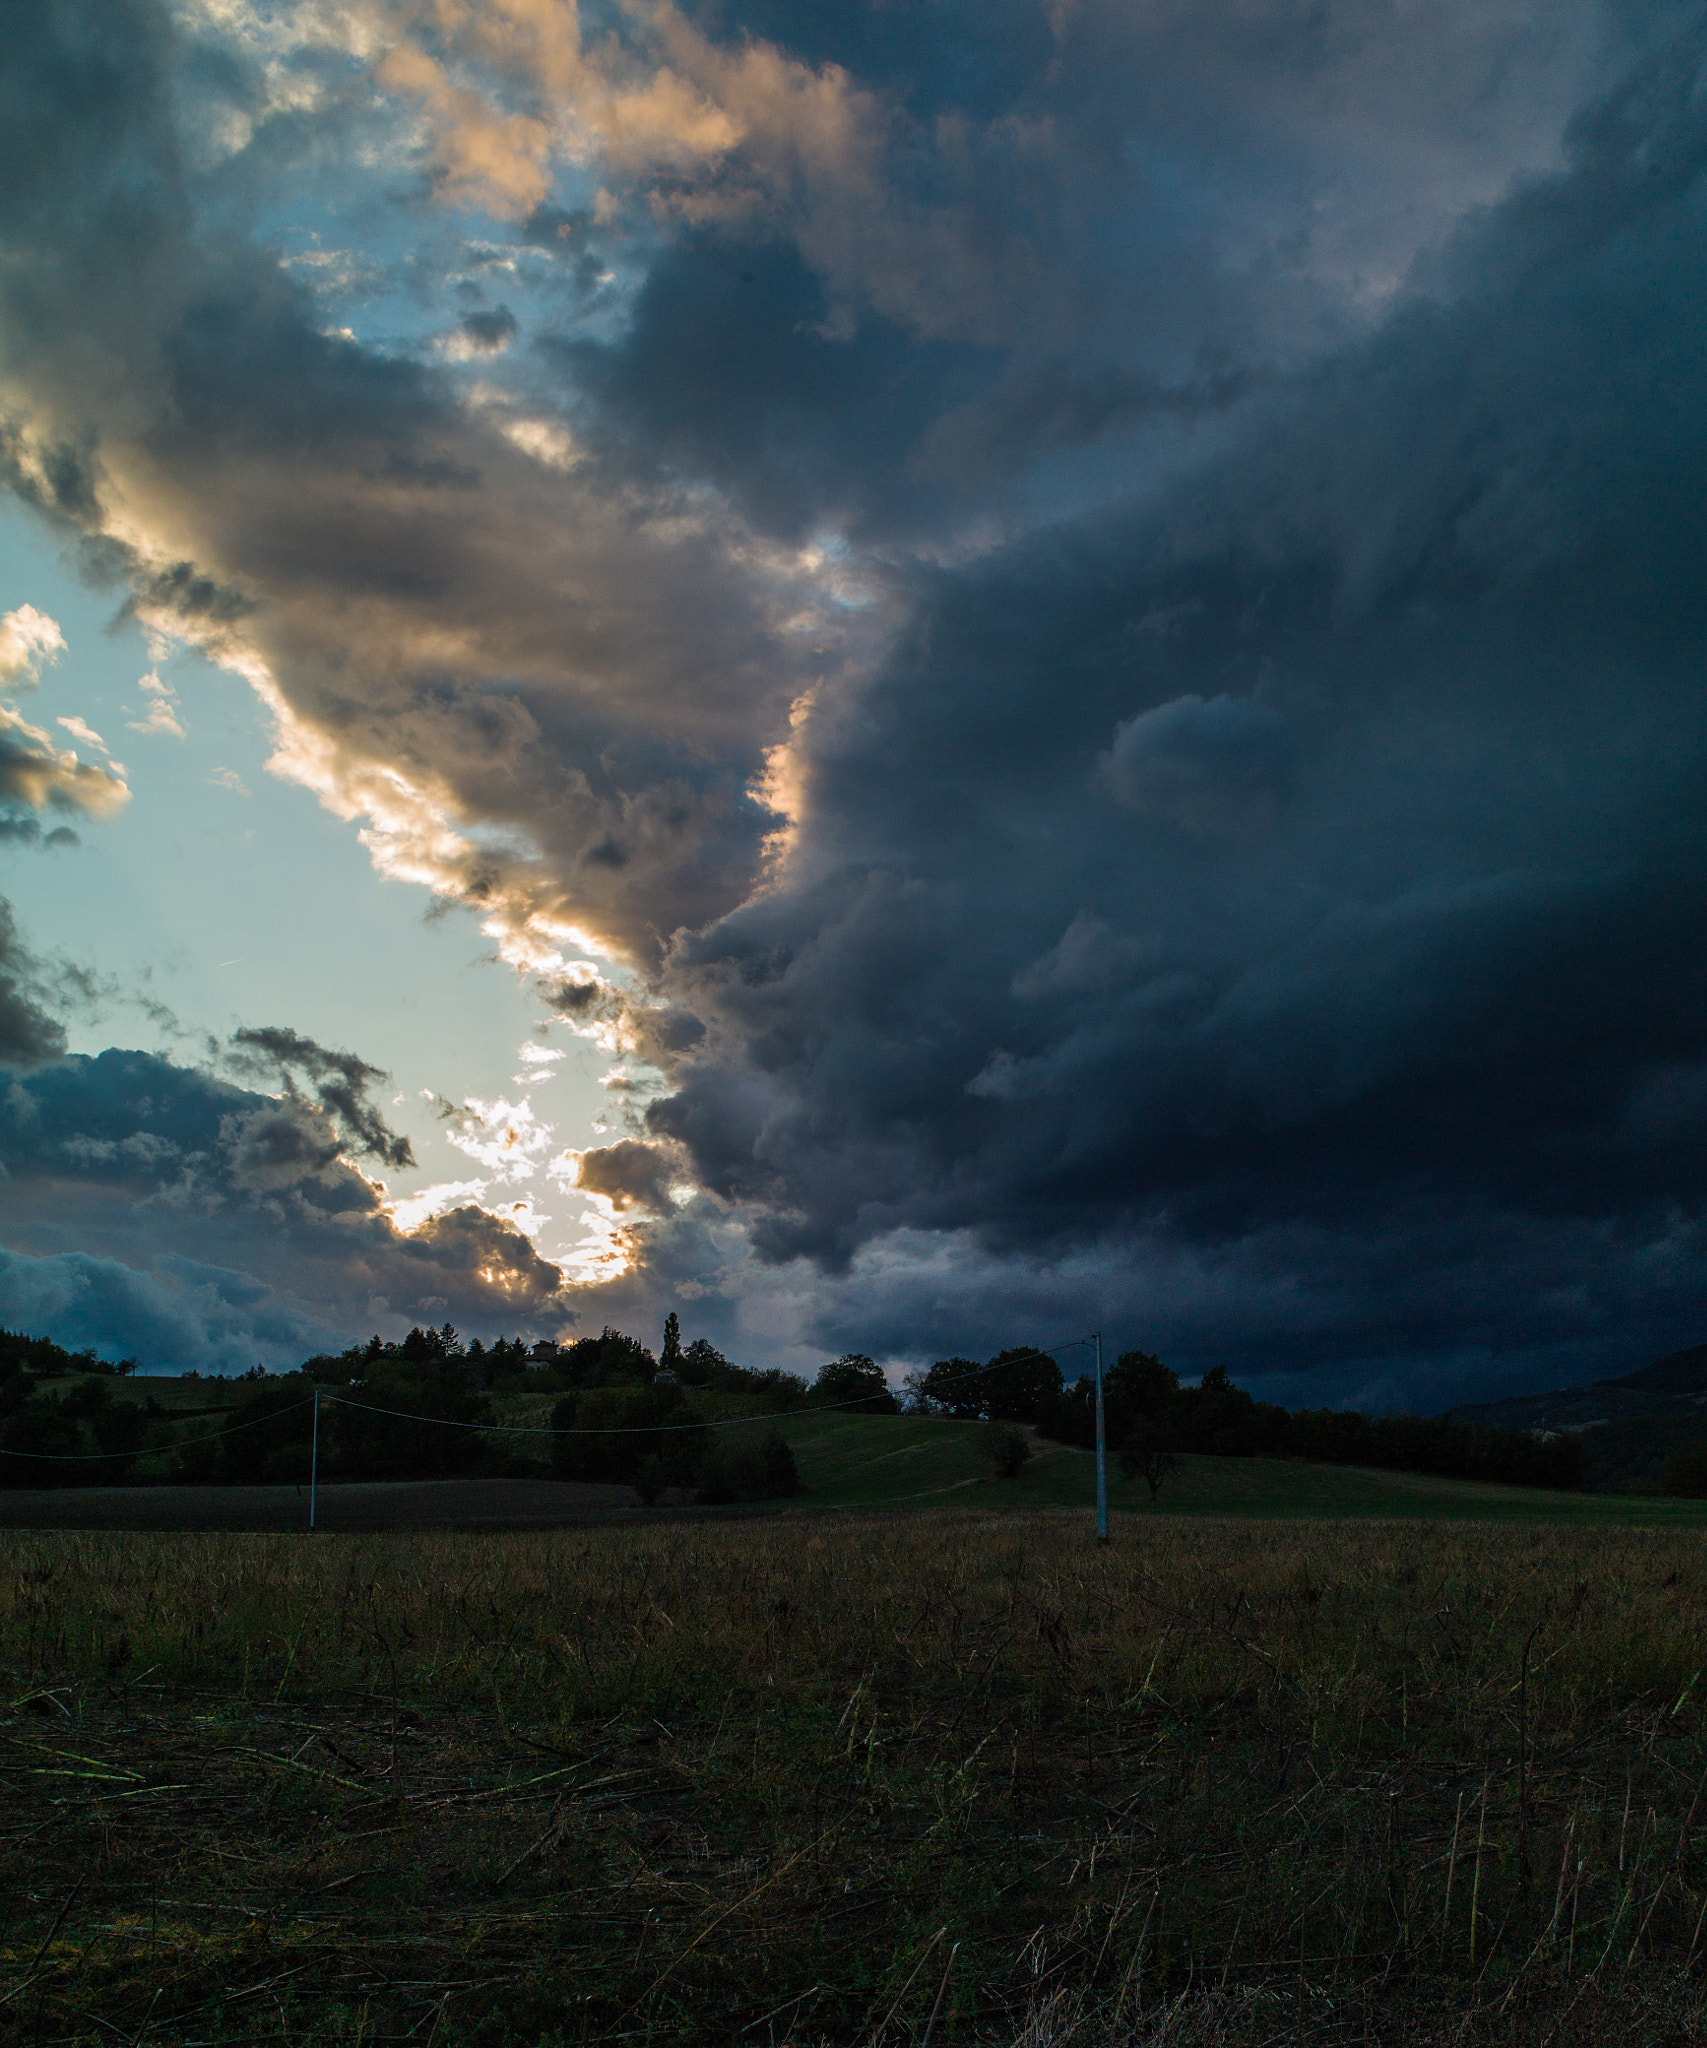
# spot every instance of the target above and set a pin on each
(952, 1387)
(1019, 1385)
(855, 1381)
(1147, 1452)
(607, 1433)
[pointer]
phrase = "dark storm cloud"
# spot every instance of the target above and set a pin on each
(1070, 236)
(1271, 906)
(1436, 1037)
(489, 334)
(798, 422)
(341, 1084)
(181, 1316)
(1215, 765)
(226, 1222)
(28, 1032)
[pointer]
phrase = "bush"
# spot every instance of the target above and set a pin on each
(748, 1468)
(262, 1432)
(1684, 1473)
(411, 1442)
(1007, 1448)
(121, 1430)
(37, 1434)
(609, 1432)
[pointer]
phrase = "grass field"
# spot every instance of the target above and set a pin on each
(878, 1461)
(905, 1461)
(857, 1779)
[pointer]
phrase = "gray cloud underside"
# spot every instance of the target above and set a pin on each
(228, 1222)
(342, 1083)
(29, 1032)
(1269, 901)
(1307, 870)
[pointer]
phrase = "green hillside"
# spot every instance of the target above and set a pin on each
(907, 1461)
(899, 1461)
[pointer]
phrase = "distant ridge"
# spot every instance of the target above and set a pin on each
(1683, 1372)
(1633, 1423)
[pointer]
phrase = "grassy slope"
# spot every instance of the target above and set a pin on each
(908, 1461)
(177, 1396)
(903, 1461)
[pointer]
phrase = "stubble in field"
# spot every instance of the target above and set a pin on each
(850, 1780)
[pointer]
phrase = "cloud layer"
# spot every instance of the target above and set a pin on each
(1092, 617)
(163, 1212)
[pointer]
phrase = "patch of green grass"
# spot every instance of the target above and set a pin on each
(179, 1397)
(891, 1461)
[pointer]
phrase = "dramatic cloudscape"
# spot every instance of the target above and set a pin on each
(904, 676)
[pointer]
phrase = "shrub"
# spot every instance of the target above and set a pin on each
(121, 1430)
(1007, 1449)
(264, 1430)
(748, 1468)
(356, 1442)
(37, 1433)
(1684, 1473)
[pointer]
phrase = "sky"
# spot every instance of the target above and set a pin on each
(905, 677)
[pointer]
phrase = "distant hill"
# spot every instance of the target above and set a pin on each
(1632, 1424)
(910, 1461)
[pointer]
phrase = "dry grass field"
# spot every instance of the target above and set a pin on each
(855, 1780)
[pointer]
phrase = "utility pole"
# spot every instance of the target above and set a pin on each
(1102, 1455)
(314, 1453)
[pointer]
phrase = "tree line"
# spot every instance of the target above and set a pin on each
(421, 1407)
(1150, 1418)
(626, 1414)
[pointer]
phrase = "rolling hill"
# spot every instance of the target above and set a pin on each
(1633, 1424)
(900, 1461)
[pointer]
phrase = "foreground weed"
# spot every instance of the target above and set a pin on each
(964, 1778)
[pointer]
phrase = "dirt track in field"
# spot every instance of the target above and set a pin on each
(357, 1506)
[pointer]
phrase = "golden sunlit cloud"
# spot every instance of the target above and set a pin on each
(409, 1214)
(506, 1137)
(609, 1249)
(161, 718)
(34, 772)
(28, 638)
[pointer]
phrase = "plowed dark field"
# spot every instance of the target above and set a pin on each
(357, 1507)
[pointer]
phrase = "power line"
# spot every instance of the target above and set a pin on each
(626, 1429)
(525, 1428)
(105, 1457)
